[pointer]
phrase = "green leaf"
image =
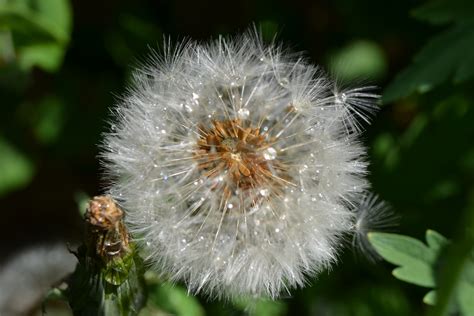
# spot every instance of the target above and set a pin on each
(26, 23)
(418, 274)
(261, 307)
(51, 19)
(48, 56)
(430, 298)
(414, 258)
(445, 11)
(174, 299)
(465, 297)
(269, 308)
(443, 58)
(40, 31)
(436, 241)
(16, 169)
(59, 13)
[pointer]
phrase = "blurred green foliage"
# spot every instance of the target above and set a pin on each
(446, 56)
(359, 60)
(37, 31)
(59, 75)
(17, 170)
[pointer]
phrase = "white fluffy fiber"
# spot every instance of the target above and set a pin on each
(256, 242)
(372, 214)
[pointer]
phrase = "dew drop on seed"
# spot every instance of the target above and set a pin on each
(341, 98)
(269, 153)
(243, 113)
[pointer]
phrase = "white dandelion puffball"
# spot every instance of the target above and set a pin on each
(238, 165)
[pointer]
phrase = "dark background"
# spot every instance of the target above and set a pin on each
(420, 144)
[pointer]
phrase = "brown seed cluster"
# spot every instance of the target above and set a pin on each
(236, 149)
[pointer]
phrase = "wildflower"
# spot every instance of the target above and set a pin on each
(238, 165)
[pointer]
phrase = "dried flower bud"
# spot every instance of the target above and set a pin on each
(106, 233)
(238, 165)
(109, 278)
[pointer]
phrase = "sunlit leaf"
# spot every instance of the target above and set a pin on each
(430, 298)
(436, 241)
(414, 258)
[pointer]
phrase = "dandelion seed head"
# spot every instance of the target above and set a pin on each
(238, 165)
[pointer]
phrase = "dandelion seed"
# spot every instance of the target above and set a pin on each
(372, 215)
(262, 164)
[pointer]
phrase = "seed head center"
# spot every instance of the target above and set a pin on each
(235, 149)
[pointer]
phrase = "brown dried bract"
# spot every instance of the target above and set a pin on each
(106, 233)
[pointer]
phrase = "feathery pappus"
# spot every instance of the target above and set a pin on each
(238, 164)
